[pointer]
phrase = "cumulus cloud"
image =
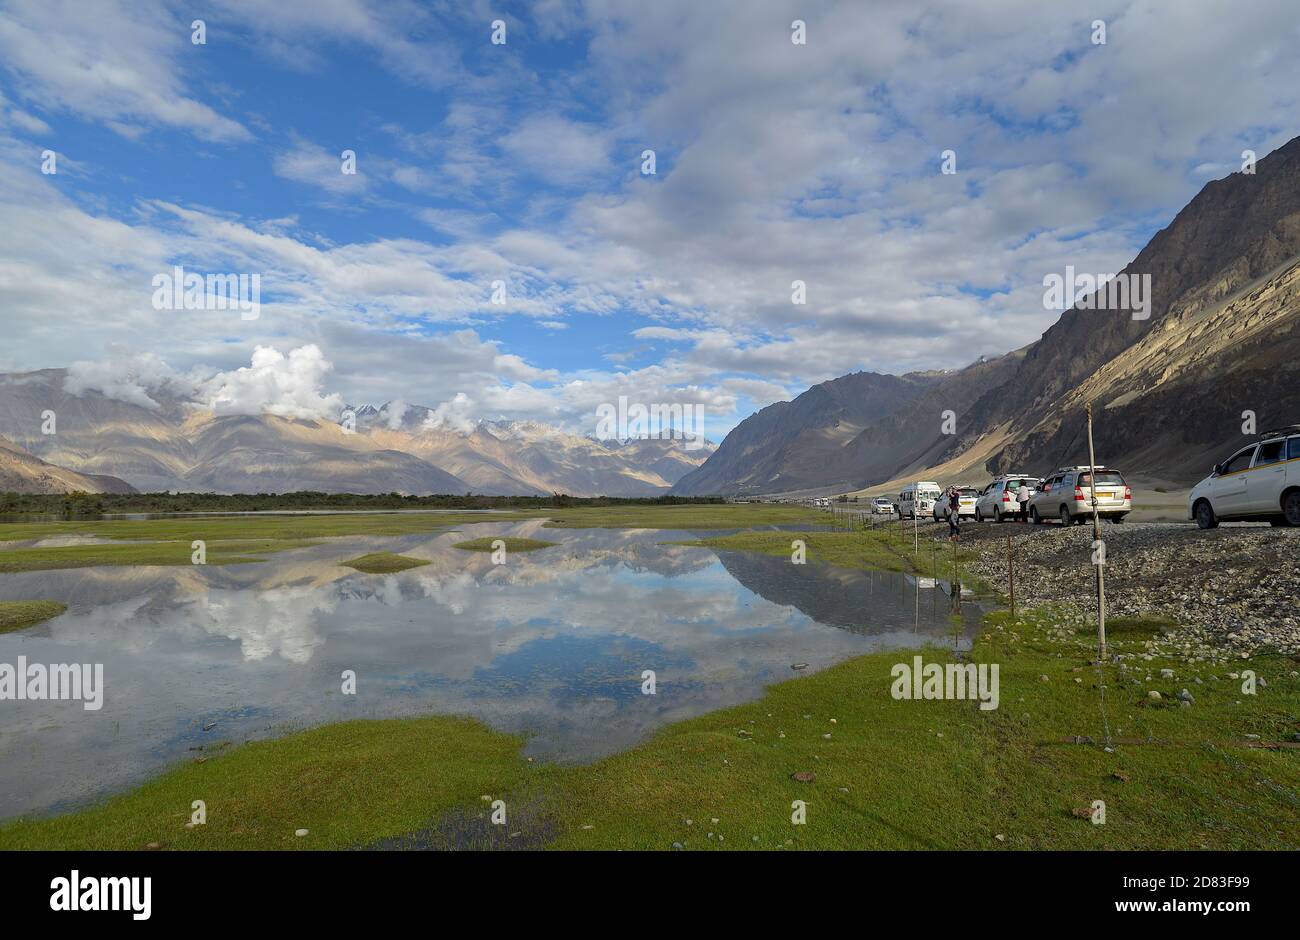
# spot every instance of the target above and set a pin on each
(287, 386)
(456, 414)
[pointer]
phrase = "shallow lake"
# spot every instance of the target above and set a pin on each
(552, 644)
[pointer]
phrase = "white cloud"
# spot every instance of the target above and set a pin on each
(310, 163)
(127, 377)
(396, 411)
(457, 413)
(118, 64)
(287, 386)
(558, 150)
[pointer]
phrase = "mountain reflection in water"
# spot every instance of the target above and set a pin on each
(551, 644)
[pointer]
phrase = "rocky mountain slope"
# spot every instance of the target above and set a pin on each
(20, 472)
(1170, 392)
(796, 444)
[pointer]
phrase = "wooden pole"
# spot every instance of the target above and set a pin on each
(1011, 576)
(916, 532)
(956, 576)
(1096, 537)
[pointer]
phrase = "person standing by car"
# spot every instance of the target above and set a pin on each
(1022, 499)
(954, 513)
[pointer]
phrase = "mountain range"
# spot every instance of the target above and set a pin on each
(101, 444)
(1173, 393)
(1218, 354)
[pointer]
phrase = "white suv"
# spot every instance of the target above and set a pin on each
(1000, 499)
(966, 496)
(1067, 495)
(1260, 481)
(882, 504)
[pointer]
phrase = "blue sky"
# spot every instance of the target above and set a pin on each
(521, 162)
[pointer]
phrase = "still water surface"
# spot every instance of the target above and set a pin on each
(551, 644)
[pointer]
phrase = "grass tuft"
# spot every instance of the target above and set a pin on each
(512, 544)
(383, 563)
(15, 615)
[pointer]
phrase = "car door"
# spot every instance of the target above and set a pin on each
(1064, 491)
(1228, 495)
(1267, 478)
(1042, 500)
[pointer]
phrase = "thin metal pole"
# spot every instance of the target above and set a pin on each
(1096, 537)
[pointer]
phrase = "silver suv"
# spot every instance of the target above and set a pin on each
(1067, 495)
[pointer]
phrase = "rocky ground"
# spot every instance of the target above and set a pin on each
(1234, 590)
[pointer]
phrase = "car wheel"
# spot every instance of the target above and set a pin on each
(1033, 516)
(1065, 516)
(1116, 519)
(1291, 507)
(979, 516)
(997, 514)
(1205, 517)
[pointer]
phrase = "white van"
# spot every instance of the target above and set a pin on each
(917, 499)
(1260, 481)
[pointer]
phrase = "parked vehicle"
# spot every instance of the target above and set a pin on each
(1067, 495)
(1000, 499)
(1260, 481)
(966, 496)
(882, 504)
(917, 499)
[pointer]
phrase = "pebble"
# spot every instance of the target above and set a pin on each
(300, 832)
(1232, 591)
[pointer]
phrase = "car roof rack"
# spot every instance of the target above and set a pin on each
(1284, 431)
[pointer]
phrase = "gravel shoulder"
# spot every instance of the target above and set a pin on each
(1234, 590)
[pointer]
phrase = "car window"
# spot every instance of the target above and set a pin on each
(1269, 452)
(1067, 480)
(1104, 477)
(1239, 461)
(1293, 448)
